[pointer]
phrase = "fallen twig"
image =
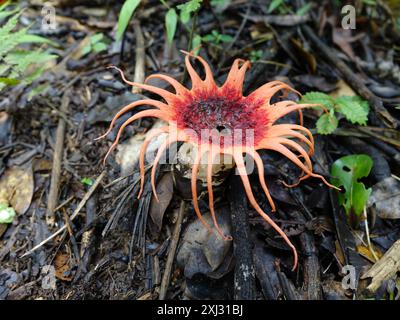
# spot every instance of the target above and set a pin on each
(140, 56)
(172, 249)
(52, 199)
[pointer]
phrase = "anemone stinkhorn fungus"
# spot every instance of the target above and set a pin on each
(197, 116)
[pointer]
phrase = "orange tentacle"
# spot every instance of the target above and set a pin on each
(168, 96)
(159, 105)
(260, 166)
(195, 169)
(208, 82)
(211, 196)
(160, 152)
(272, 145)
(282, 130)
(236, 75)
(195, 78)
(245, 180)
(142, 114)
(278, 111)
(179, 88)
(150, 135)
(268, 90)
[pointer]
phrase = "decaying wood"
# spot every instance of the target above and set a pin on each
(385, 268)
(242, 244)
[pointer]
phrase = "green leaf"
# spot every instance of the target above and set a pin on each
(87, 181)
(327, 123)
(86, 49)
(32, 38)
(353, 108)
(171, 20)
(187, 8)
(225, 38)
(7, 214)
(9, 81)
(318, 98)
(5, 14)
(125, 15)
(99, 47)
(38, 90)
(304, 9)
(346, 173)
(369, 2)
(196, 42)
(255, 55)
(274, 5)
(208, 38)
(9, 41)
(96, 38)
(4, 5)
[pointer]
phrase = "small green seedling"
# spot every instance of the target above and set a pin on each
(255, 55)
(216, 38)
(87, 181)
(353, 108)
(7, 213)
(346, 173)
(98, 43)
(125, 15)
(186, 11)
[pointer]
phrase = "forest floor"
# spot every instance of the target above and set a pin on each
(80, 231)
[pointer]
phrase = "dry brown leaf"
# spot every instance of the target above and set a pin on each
(366, 253)
(165, 190)
(343, 37)
(343, 89)
(305, 54)
(16, 187)
(385, 198)
(62, 266)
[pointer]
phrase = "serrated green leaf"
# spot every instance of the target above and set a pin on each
(5, 14)
(346, 173)
(186, 9)
(318, 98)
(327, 123)
(171, 20)
(127, 10)
(10, 41)
(353, 108)
(10, 25)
